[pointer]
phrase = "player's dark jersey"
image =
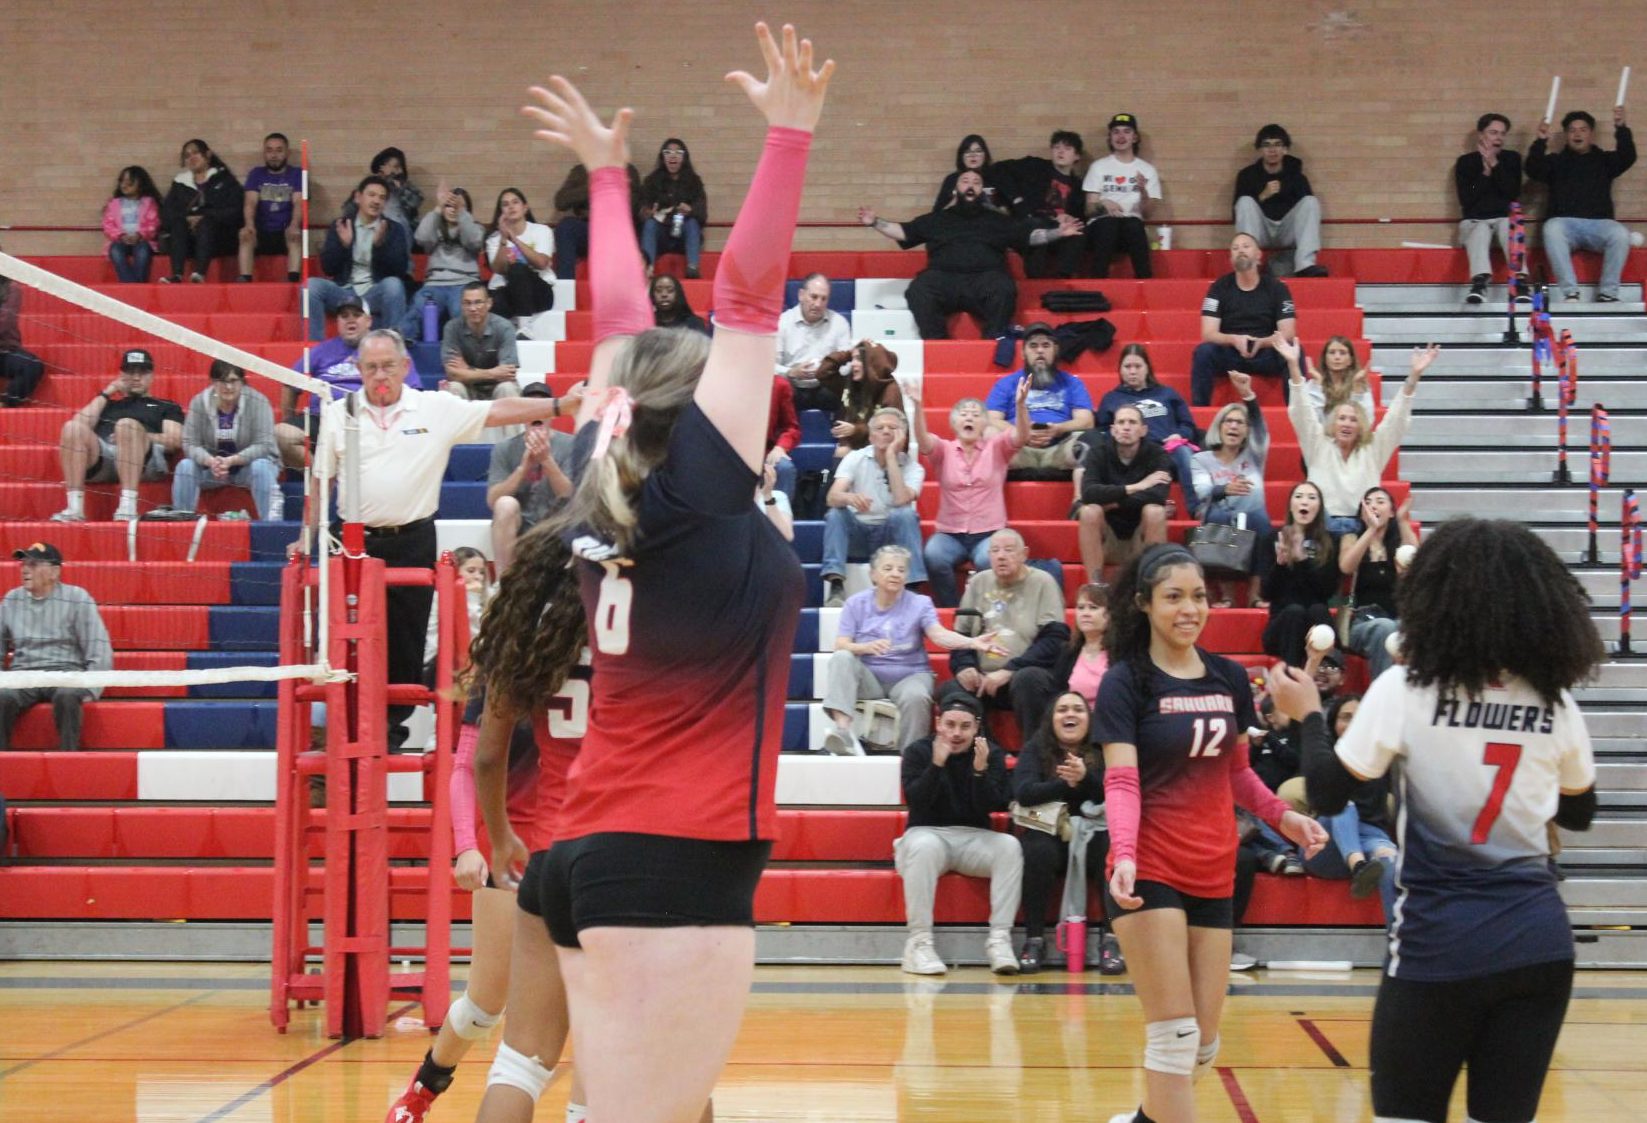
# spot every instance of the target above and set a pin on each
(692, 637)
(559, 732)
(1191, 735)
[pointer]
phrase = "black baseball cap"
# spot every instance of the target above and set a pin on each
(136, 359)
(536, 390)
(1039, 327)
(1120, 119)
(959, 701)
(39, 551)
(351, 299)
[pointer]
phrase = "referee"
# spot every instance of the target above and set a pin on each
(406, 438)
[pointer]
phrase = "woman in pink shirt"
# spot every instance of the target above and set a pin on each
(971, 474)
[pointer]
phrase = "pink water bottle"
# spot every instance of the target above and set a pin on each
(1072, 941)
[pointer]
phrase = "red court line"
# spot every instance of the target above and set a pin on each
(1321, 1041)
(1243, 1109)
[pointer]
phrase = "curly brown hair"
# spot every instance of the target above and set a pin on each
(534, 629)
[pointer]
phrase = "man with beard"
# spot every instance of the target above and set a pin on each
(1123, 494)
(1060, 409)
(271, 192)
(966, 258)
(1274, 202)
(1046, 190)
(1243, 315)
(1580, 211)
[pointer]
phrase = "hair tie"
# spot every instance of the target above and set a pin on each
(615, 415)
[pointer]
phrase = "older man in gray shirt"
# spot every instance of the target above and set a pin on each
(46, 625)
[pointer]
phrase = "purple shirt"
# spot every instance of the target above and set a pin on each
(277, 194)
(905, 624)
(333, 360)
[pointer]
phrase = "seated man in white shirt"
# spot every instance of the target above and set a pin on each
(806, 333)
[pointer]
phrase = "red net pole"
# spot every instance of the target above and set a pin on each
(1601, 470)
(1629, 565)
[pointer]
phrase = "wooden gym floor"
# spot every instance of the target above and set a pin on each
(192, 1044)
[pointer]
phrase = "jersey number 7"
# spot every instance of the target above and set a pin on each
(1505, 757)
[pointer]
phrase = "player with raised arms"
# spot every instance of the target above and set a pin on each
(1172, 719)
(688, 598)
(1486, 746)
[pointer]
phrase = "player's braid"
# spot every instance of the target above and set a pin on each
(534, 630)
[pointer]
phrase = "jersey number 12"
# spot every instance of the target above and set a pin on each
(1209, 736)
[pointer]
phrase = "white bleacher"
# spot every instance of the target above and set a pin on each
(870, 293)
(884, 324)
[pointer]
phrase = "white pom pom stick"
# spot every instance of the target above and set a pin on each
(1623, 84)
(1555, 92)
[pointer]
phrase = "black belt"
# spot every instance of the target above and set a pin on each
(403, 528)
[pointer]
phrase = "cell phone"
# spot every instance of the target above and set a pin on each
(1040, 425)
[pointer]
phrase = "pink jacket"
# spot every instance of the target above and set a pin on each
(148, 221)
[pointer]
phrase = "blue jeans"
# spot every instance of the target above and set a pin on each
(655, 234)
(449, 298)
(1350, 836)
(1213, 361)
(259, 477)
(131, 263)
(571, 245)
(1340, 525)
(847, 537)
(944, 552)
(386, 299)
(1599, 235)
(785, 471)
(1367, 636)
(1181, 458)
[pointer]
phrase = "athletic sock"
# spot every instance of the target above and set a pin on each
(576, 1113)
(436, 1078)
(77, 501)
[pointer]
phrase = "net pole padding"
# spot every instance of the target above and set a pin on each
(91, 300)
(367, 1013)
(453, 633)
(1601, 470)
(1543, 349)
(1629, 563)
(1517, 262)
(291, 866)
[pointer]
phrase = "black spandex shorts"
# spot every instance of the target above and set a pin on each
(644, 881)
(530, 894)
(1199, 912)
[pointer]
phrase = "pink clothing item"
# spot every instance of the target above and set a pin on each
(462, 790)
(148, 221)
(972, 489)
(617, 280)
(1087, 673)
(749, 280)
(1123, 806)
(1249, 792)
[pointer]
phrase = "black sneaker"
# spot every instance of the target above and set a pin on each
(834, 593)
(1365, 877)
(1602, 298)
(1478, 289)
(1035, 950)
(1312, 271)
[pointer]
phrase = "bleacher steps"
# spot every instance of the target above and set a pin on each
(1420, 299)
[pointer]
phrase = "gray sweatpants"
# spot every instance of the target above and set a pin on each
(850, 682)
(925, 854)
(1299, 228)
(1477, 234)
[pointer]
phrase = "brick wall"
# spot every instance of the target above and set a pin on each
(1380, 95)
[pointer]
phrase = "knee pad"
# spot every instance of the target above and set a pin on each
(469, 1021)
(1171, 1046)
(515, 1069)
(1204, 1058)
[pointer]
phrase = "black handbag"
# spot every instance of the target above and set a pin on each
(1223, 549)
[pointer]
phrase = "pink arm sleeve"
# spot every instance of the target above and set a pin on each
(1250, 792)
(462, 791)
(749, 280)
(1123, 806)
(616, 281)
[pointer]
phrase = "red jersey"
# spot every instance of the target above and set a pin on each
(559, 732)
(692, 637)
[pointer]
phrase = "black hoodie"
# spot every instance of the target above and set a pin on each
(1294, 185)
(1581, 186)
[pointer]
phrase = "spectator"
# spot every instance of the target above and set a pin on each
(1046, 191)
(202, 211)
(776, 504)
(1120, 189)
(20, 370)
(530, 475)
(1580, 211)
(404, 200)
(453, 239)
(475, 580)
(1229, 480)
(880, 652)
(1304, 578)
(670, 308)
(1123, 496)
(972, 155)
(1274, 203)
(861, 381)
(806, 333)
(783, 433)
(966, 258)
(1371, 561)
(953, 781)
(123, 438)
(1243, 316)
(334, 361)
(871, 504)
(1488, 180)
(1361, 849)
(1340, 378)
(1274, 753)
(1060, 409)
(1082, 663)
(46, 625)
(673, 207)
(1346, 454)
(478, 350)
(228, 441)
(131, 223)
(1023, 608)
(572, 227)
(521, 251)
(1059, 764)
(971, 471)
(366, 255)
(267, 226)
(1167, 417)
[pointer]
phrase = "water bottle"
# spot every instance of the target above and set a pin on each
(676, 224)
(431, 322)
(1071, 939)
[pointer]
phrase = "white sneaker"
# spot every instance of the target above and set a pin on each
(1240, 961)
(921, 958)
(68, 516)
(1124, 1117)
(998, 947)
(125, 514)
(843, 742)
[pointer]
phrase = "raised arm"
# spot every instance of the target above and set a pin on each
(882, 226)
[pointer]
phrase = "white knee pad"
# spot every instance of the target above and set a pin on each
(469, 1021)
(1204, 1058)
(515, 1069)
(1171, 1046)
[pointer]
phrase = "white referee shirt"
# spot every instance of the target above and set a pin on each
(403, 451)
